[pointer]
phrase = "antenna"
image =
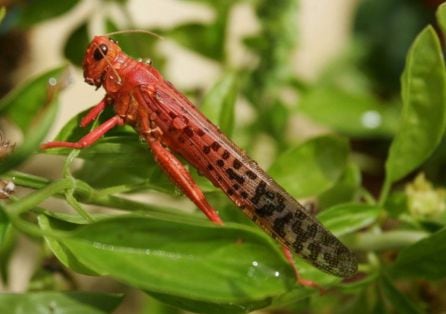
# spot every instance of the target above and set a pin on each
(142, 31)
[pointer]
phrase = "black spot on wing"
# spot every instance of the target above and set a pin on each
(189, 132)
(280, 223)
(234, 176)
(206, 149)
(215, 146)
(220, 163)
(225, 155)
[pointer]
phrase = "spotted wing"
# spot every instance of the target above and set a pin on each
(203, 145)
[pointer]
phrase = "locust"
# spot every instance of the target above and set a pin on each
(172, 126)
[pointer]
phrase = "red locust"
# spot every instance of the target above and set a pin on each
(171, 124)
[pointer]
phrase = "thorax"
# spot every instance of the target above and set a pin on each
(123, 79)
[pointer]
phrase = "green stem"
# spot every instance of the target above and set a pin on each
(386, 240)
(35, 198)
(77, 206)
(368, 197)
(69, 192)
(27, 180)
(384, 192)
(86, 194)
(32, 229)
(68, 161)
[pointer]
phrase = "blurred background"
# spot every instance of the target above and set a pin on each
(305, 67)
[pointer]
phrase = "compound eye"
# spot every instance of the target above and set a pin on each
(100, 52)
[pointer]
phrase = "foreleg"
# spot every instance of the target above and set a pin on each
(94, 112)
(90, 138)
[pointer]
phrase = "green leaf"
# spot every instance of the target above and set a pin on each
(77, 42)
(426, 258)
(206, 39)
(218, 104)
(116, 160)
(347, 218)
(424, 99)
(441, 17)
(2, 13)
(274, 47)
(122, 161)
(64, 255)
(7, 245)
(152, 306)
(379, 305)
(400, 302)
(39, 11)
(32, 107)
(274, 120)
(23, 103)
(197, 306)
(291, 297)
(312, 167)
(229, 264)
(59, 302)
(343, 99)
(352, 114)
(345, 188)
(6, 253)
(4, 226)
(384, 45)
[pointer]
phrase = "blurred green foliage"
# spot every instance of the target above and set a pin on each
(376, 140)
(386, 43)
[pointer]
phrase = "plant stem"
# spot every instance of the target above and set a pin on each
(386, 240)
(35, 198)
(83, 193)
(368, 197)
(384, 192)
